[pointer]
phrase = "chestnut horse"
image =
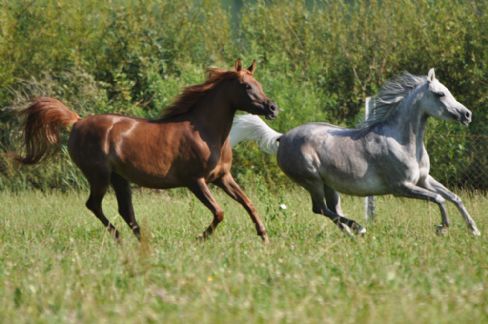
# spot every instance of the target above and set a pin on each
(188, 147)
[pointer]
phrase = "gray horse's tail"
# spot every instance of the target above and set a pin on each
(253, 128)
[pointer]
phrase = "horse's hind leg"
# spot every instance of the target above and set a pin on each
(98, 188)
(124, 201)
(319, 207)
(317, 192)
(333, 201)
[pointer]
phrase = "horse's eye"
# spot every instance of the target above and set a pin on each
(439, 94)
(248, 86)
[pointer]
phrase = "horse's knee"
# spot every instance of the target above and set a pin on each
(439, 199)
(456, 200)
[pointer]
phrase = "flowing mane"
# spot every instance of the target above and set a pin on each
(190, 96)
(391, 95)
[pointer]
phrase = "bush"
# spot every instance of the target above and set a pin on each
(317, 59)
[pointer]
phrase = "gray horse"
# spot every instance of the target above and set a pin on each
(385, 155)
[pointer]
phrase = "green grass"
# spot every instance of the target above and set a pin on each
(57, 264)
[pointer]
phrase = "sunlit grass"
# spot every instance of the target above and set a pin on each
(57, 264)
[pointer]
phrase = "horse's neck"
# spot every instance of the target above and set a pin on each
(409, 123)
(214, 116)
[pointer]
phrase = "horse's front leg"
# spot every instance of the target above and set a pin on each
(202, 192)
(413, 191)
(228, 184)
(434, 185)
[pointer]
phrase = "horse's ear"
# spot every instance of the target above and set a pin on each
(238, 65)
(431, 75)
(252, 67)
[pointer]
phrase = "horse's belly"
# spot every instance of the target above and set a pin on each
(357, 186)
(165, 172)
(151, 177)
(351, 174)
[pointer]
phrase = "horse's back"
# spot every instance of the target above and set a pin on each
(319, 136)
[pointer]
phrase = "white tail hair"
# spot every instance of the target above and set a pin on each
(253, 128)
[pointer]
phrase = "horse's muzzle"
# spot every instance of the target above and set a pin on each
(465, 117)
(273, 110)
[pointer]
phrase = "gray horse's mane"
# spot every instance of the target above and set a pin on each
(390, 96)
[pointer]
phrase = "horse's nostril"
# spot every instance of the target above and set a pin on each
(272, 107)
(467, 115)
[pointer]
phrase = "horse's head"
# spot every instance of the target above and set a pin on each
(439, 102)
(248, 95)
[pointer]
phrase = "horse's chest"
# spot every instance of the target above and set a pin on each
(206, 156)
(213, 162)
(424, 164)
(410, 166)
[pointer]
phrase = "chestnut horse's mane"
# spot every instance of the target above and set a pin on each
(187, 100)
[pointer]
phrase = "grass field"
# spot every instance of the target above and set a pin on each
(57, 264)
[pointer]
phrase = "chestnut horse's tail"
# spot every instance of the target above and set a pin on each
(43, 121)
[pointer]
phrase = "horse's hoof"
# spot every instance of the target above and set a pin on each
(201, 238)
(441, 230)
(475, 232)
(265, 239)
(361, 231)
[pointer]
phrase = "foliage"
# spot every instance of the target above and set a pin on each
(317, 59)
